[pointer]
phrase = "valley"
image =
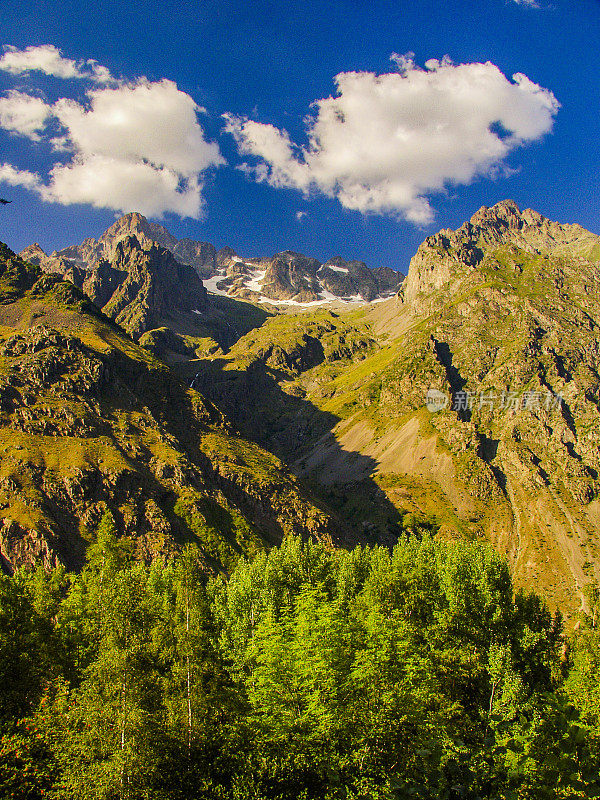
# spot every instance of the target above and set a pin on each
(500, 318)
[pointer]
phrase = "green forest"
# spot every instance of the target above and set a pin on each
(308, 672)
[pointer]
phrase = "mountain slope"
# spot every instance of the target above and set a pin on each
(502, 320)
(89, 420)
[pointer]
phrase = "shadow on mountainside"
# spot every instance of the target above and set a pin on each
(226, 319)
(455, 380)
(290, 427)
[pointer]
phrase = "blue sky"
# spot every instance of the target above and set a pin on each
(381, 162)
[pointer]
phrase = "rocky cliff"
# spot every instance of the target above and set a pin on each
(143, 288)
(449, 256)
(158, 300)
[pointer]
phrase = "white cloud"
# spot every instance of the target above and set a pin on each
(48, 59)
(148, 122)
(19, 177)
(528, 3)
(386, 142)
(301, 215)
(125, 185)
(132, 146)
(24, 114)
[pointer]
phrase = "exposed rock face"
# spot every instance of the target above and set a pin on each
(287, 276)
(141, 286)
(503, 317)
(293, 278)
(90, 421)
(34, 254)
(200, 255)
(448, 256)
(355, 279)
(290, 275)
(142, 289)
(20, 547)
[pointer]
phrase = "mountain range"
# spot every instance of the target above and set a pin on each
(468, 402)
(286, 278)
(498, 324)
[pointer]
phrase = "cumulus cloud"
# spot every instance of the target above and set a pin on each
(24, 114)
(48, 59)
(129, 146)
(153, 122)
(19, 177)
(386, 142)
(124, 185)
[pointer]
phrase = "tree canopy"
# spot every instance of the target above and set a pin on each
(308, 672)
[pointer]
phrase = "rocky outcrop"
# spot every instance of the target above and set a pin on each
(354, 279)
(22, 548)
(34, 254)
(291, 277)
(145, 288)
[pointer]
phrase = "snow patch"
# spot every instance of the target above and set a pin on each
(256, 279)
(210, 284)
(338, 269)
(326, 299)
(383, 296)
(328, 296)
(311, 303)
(253, 282)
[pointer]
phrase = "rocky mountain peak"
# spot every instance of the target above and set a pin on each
(126, 245)
(131, 221)
(506, 213)
(148, 234)
(34, 254)
(142, 287)
(448, 256)
(505, 223)
(225, 254)
(132, 224)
